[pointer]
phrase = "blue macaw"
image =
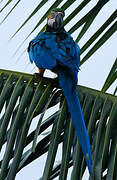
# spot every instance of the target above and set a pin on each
(55, 49)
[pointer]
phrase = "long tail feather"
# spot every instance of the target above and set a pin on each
(77, 117)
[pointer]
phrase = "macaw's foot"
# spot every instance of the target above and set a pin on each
(41, 71)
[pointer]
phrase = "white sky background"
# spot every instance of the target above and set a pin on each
(93, 73)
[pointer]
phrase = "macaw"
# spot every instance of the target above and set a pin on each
(55, 49)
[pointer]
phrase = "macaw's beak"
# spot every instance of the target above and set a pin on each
(58, 21)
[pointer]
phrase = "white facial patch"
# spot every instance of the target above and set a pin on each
(50, 22)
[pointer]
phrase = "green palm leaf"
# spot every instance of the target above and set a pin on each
(32, 14)
(99, 31)
(100, 114)
(100, 42)
(111, 77)
(9, 11)
(115, 91)
(9, 1)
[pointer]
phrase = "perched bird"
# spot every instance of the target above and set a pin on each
(55, 49)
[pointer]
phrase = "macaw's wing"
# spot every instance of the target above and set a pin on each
(47, 52)
(40, 54)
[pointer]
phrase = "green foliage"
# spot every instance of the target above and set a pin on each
(111, 77)
(30, 98)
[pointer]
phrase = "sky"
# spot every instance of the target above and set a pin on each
(93, 73)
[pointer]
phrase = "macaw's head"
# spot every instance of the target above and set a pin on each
(55, 19)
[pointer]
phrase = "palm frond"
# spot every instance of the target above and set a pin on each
(100, 42)
(30, 98)
(112, 77)
(31, 15)
(9, 11)
(99, 31)
(115, 91)
(9, 1)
